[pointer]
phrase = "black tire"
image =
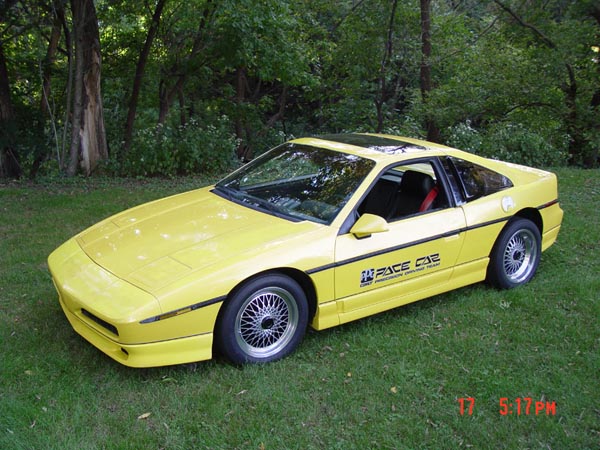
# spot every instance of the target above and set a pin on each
(516, 255)
(265, 320)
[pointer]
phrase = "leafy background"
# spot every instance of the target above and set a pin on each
(223, 80)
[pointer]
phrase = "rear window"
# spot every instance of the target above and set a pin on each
(478, 181)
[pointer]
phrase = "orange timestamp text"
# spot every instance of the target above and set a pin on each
(520, 406)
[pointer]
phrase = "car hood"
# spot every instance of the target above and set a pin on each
(157, 243)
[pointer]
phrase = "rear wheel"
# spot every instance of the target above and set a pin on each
(264, 321)
(516, 255)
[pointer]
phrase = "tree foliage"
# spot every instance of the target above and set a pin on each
(189, 86)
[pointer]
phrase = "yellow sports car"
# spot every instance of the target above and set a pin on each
(318, 231)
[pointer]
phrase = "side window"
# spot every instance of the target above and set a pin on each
(478, 181)
(404, 191)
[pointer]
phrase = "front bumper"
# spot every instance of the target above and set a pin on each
(110, 313)
(152, 354)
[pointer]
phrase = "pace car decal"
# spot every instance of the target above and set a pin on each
(420, 241)
(401, 269)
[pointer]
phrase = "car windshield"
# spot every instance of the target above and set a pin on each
(298, 182)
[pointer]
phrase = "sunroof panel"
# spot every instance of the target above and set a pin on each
(377, 143)
(363, 140)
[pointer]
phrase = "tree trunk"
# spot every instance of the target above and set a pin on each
(240, 91)
(574, 129)
(280, 114)
(577, 141)
(9, 161)
(49, 62)
(387, 55)
(88, 142)
(593, 159)
(63, 161)
(182, 116)
(595, 13)
(139, 74)
(41, 153)
(167, 95)
(433, 133)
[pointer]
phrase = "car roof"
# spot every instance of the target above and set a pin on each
(379, 147)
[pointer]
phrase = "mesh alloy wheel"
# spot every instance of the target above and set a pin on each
(266, 322)
(519, 256)
(262, 321)
(516, 254)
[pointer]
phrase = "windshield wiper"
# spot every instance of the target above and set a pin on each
(229, 193)
(255, 202)
(268, 205)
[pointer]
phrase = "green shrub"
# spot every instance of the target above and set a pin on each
(515, 143)
(408, 126)
(590, 154)
(465, 137)
(511, 142)
(194, 148)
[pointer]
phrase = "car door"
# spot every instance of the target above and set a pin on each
(412, 250)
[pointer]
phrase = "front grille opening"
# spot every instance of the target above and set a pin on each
(99, 321)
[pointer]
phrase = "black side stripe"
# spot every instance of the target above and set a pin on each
(212, 301)
(547, 205)
(406, 245)
(487, 224)
(418, 242)
(185, 309)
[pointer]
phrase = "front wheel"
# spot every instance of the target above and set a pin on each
(264, 321)
(516, 255)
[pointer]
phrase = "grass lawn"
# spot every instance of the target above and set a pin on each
(395, 380)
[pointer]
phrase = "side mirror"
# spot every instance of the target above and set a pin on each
(368, 224)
